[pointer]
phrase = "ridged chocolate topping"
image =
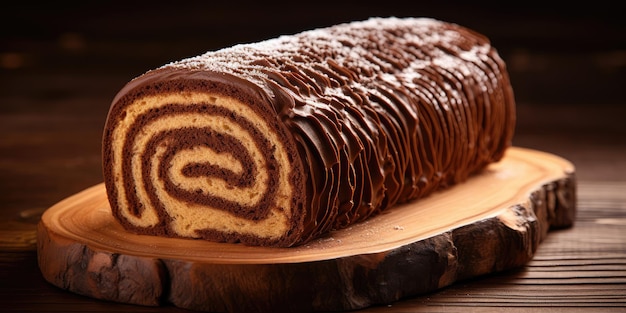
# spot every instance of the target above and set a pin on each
(382, 111)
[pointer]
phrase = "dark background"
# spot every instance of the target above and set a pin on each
(548, 47)
(61, 65)
(565, 53)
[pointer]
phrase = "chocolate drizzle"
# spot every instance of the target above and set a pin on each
(381, 111)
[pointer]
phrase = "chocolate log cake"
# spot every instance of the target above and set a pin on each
(278, 142)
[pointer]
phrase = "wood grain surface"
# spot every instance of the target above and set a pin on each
(493, 222)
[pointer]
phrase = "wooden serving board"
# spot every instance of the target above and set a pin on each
(493, 222)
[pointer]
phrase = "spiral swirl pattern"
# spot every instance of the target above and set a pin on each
(199, 163)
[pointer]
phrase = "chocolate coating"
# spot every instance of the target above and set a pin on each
(373, 113)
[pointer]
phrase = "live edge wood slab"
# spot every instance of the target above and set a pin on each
(493, 222)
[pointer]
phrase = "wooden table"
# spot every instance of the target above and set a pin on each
(55, 89)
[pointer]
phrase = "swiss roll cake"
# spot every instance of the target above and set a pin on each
(279, 142)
